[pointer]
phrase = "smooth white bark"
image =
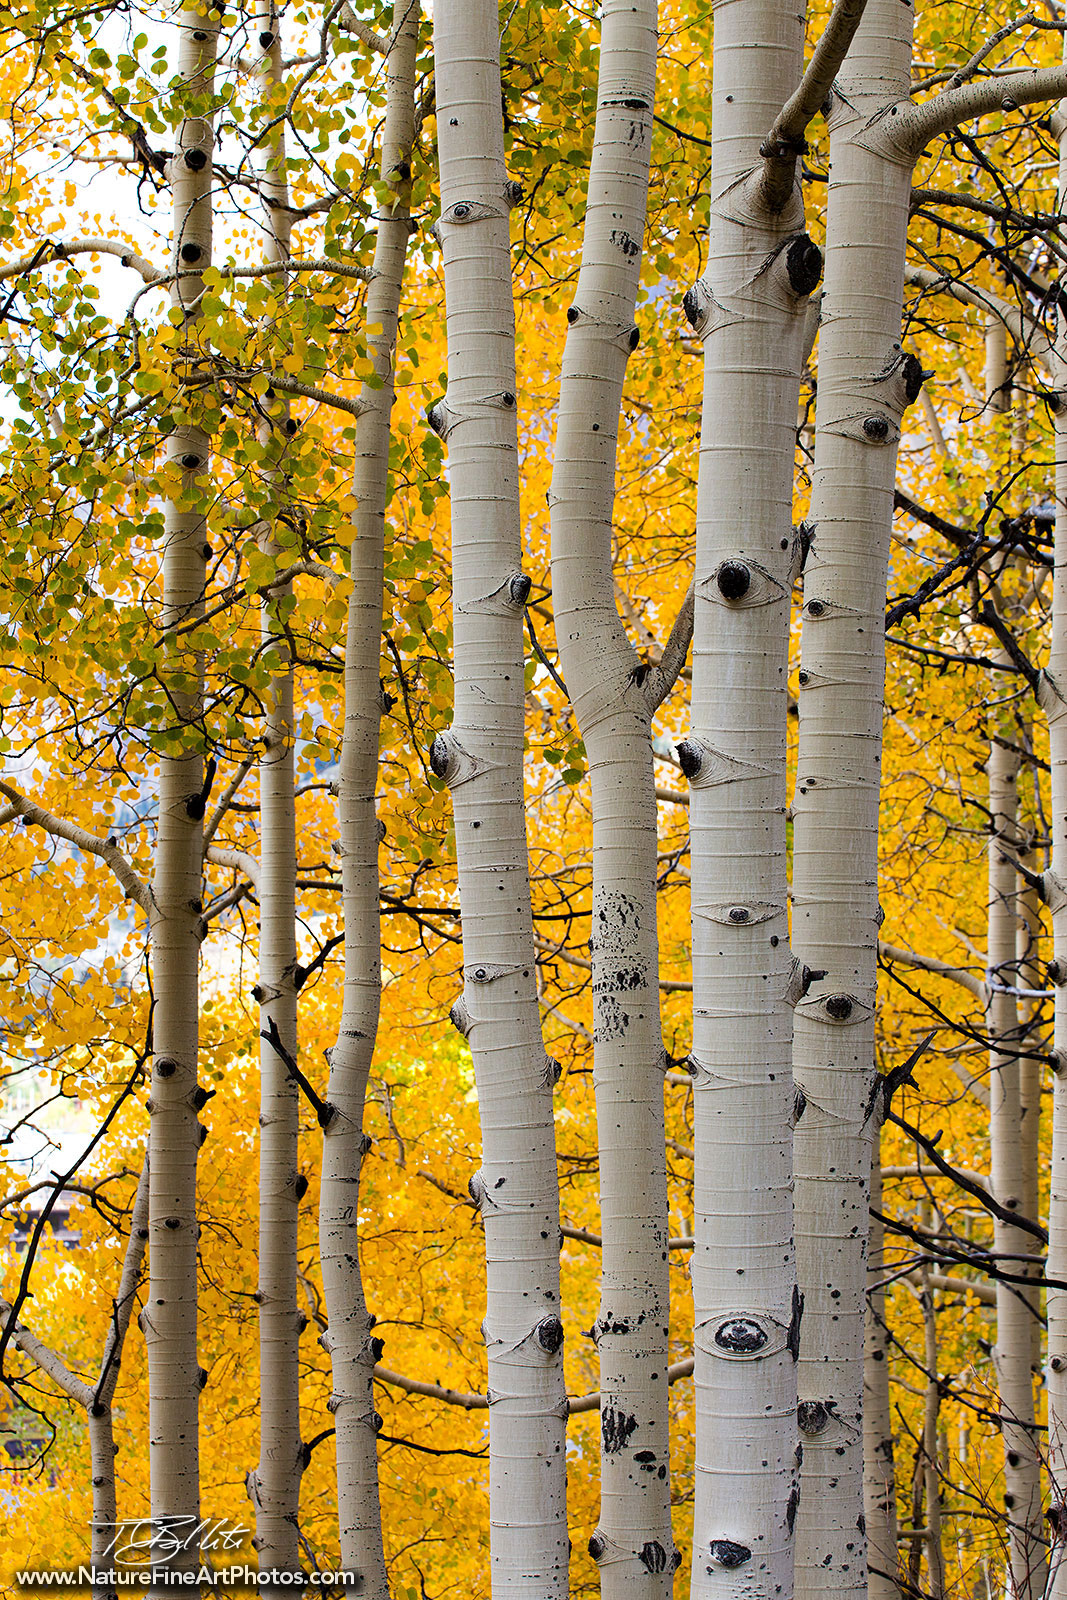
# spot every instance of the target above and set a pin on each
(879, 1477)
(274, 1486)
(169, 1318)
(613, 697)
(1052, 696)
(481, 760)
(749, 311)
(865, 382)
(353, 1347)
(1015, 1317)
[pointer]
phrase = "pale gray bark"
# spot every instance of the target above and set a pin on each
(935, 1559)
(481, 760)
(1052, 696)
(749, 310)
(169, 1318)
(274, 1486)
(865, 382)
(879, 1477)
(1015, 1316)
(614, 697)
(352, 1347)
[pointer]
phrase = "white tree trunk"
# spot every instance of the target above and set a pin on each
(169, 1318)
(352, 1346)
(274, 1487)
(1013, 1351)
(749, 310)
(1030, 975)
(1052, 695)
(935, 1561)
(879, 1476)
(865, 381)
(96, 1399)
(481, 760)
(613, 699)
(102, 1447)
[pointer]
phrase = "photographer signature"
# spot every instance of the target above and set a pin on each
(163, 1538)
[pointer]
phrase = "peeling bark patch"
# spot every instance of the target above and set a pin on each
(616, 1428)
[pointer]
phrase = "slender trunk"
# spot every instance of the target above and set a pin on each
(1030, 974)
(352, 1347)
(101, 1427)
(935, 1563)
(865, 381)
(169, 1319)
(96, 1399)
(1052, 696)
(481, 760)
(1012, 1353)
(274, 1487)
(749, 310)
(879, 1475)
(997, 386)
(613, 701)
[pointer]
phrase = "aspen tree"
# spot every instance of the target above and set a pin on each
(96, 1398)
(274, 1486)
(352, 1347)
(1030, 972)
(935, 1561)
(168, 1320)
(749, 309)
(614, 698)
(879, 1477)
(865, 382)
(481, 761)
(1052, 697)
(1015, 1314)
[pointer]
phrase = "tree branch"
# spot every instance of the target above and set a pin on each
(46, 1359)
(63, 249)
(1024, 329)
(665, 675)
(469, 1401)
(323, 1110)
(786, 140)
(910, 958)
(309, 391)
(965, 1181)
(107, 850)
(917, 125)
(240, 860)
